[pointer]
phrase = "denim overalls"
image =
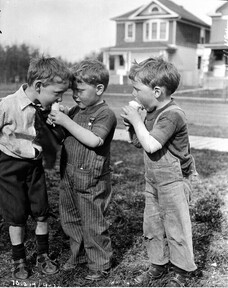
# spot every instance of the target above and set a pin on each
(85, 196)
(167, 224)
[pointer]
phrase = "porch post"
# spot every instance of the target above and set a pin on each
(106, 59)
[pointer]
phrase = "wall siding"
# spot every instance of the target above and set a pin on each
(170, 41)
(218, 30)
(207, 36)
(120, 31)
(185, 59)
(187, 35)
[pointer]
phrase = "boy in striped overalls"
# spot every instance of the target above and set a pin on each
(85, 170)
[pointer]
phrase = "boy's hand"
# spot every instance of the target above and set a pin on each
(57, 117)
(131, 115)
(49, 121)
(64, 109)
(126, 122)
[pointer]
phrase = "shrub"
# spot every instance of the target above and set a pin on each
(207, 209)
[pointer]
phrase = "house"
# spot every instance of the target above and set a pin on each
(218, 45)
(160, 27)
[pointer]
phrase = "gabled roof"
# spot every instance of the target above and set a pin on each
(171, 10)
(221, 7)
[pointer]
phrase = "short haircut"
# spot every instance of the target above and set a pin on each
(46, 69)
(92, 72)
(156, 72)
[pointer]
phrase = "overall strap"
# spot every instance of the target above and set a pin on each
(172, 107)
(96, 113)
(73, 111)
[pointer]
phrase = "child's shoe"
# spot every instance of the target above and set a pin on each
(70, 264)
(46, 265)
(154, 272)
(20, 269)
(97, 275)
(178, 280)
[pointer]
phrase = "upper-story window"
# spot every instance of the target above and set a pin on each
(156, 30)
(154, 9)
(147, 30)
(129, 31)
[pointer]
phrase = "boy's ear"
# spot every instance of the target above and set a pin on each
(37, 84)
(157, 91)
(99, 89)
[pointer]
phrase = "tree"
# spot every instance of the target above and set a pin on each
(14, 62)
(95, 55)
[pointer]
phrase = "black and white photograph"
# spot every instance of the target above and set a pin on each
(113, 143)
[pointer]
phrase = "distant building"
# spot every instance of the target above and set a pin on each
(159, 28)
(218, 44)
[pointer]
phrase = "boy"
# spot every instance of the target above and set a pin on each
(22, 179)
(85, 170)
(168, 167)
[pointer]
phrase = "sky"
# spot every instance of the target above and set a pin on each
(74, 29)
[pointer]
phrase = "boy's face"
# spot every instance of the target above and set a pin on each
(87, 95)
(144, 95)
(53, 92)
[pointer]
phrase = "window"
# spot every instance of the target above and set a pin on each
(156, 30)
(199, 62)
(121, 60)
(162, 30)
(147, 32)
(130, 31)
(111, 62)
(154, 9)
(218, 54)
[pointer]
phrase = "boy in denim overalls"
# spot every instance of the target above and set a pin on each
(168, 167)
(23, 189)
(85, 170)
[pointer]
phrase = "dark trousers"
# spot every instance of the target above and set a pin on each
(22, 190)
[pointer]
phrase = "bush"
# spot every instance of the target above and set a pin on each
(207, 209)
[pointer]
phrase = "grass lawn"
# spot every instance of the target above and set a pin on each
(210, 227)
